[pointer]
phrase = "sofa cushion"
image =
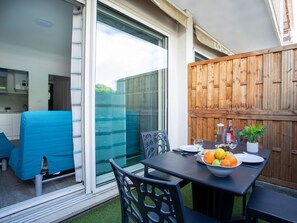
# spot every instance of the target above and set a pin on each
(43, 134)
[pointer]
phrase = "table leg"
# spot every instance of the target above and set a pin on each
(213, 202)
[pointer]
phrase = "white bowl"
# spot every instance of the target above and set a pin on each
(221, 171)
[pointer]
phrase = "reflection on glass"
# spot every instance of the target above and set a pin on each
(130, 90)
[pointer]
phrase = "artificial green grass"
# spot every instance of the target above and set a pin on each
(111, 211)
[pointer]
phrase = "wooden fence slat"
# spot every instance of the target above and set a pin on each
(295, 67)
(276, 82)
(229, 84)
(277, 75)
(204, 128)
(251, 77)
(196, 87)
(243, 72)
(294, 151)
(292, 73)
(195, 124)
(284, 92)
(222, 86)
(190, 87)
(287, 73)
(258, 100)
(216, 81)
(242, 84)
(285, 152)
(236, 85)
(268, 66)
(294, 79)
(210, 128)
(210, 86)
(204, 86)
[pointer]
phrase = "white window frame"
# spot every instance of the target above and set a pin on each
(89, 107)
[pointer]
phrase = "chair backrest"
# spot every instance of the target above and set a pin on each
(43, 134)
(155, 142)
(148, 200)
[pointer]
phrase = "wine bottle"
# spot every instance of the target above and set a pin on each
(229, 132)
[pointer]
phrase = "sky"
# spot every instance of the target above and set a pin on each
(124, 55)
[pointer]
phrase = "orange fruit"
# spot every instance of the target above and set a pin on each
(225, 162)
(220, 153)
(209, 157)
(232, 159)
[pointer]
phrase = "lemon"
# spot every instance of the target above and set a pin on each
(220, 153)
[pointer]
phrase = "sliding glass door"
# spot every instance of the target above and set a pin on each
(130, 91)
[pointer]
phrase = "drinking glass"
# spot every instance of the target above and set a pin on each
(233, 144)
(198, 143)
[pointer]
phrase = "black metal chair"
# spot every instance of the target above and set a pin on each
(148, 200)
(271, 206)
(155, 143)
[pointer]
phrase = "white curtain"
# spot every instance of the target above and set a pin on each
(76, 91)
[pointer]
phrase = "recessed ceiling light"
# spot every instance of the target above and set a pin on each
(44, 23)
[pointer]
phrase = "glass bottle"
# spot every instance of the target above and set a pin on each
(229, 132)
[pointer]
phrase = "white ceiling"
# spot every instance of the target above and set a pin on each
(19, 25)
(240, 25)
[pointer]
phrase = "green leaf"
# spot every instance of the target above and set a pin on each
(252, 132)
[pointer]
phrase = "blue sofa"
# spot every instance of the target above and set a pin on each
(5, 149)
(44, 135)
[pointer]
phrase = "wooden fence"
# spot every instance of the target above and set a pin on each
(256, 87)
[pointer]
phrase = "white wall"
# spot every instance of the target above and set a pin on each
(39, 65)
(182, 54)
(35, 36)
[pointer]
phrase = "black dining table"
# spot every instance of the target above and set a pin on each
(211, 195)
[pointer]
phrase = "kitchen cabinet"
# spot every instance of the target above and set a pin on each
(10, 125)
(21, 81)
(17, 82)
(3, 80)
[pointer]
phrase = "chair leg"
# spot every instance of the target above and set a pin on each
(4, 164)
(38, 185)
(250, 219)
(145, 171)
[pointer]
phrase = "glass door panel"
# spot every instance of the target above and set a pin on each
(131, 95)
